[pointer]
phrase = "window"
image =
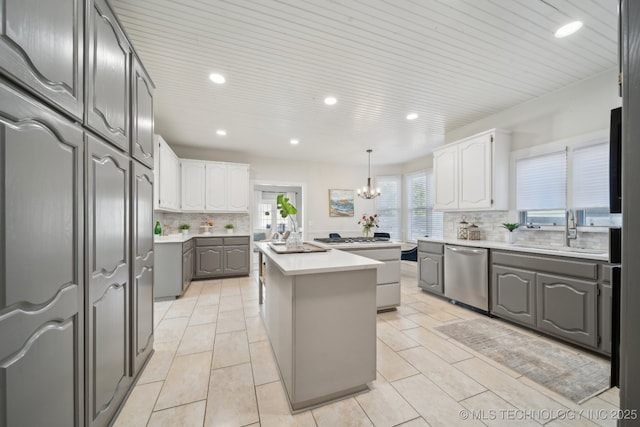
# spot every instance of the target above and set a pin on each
(267, 214)
(389, 204)
(544, 192)
(421, 219)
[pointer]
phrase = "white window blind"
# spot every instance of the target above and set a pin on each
(434, 218)
(417, 205)
(590, 177)
(389, 204)
(541, 182)
(421, 219)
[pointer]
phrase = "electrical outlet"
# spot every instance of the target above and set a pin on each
(450, 225)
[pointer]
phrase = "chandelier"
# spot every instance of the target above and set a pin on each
(367, 191)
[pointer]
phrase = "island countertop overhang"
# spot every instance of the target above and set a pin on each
(316, 262)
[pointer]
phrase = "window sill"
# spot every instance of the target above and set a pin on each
(581, 229)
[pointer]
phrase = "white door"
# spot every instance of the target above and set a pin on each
(215, 186)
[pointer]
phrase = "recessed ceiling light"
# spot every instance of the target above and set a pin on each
(567, 30)
(221, 132)
(330, 100)
(294, 142)
(217, 78)
(412, 116)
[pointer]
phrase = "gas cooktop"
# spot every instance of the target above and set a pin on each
(351, 239)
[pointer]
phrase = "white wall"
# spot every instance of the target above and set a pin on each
(577, 109)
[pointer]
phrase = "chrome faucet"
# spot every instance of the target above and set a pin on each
(570, 229)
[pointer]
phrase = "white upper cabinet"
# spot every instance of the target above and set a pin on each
(227, 187)
(167, 177)
(238, 188)
(216, 186)
(193, 185)
(472, 174)
(445, 171)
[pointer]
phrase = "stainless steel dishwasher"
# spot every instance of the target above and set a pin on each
(466, 275)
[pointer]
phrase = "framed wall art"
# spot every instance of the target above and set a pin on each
(340, 203)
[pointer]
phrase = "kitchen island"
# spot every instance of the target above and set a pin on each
(320, 315)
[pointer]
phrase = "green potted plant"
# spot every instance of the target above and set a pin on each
(229, 228)
(511, 226)
(184, 228)
(287, 210)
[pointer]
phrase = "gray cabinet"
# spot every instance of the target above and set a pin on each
(431, 267)
(187, 268)
(236, 260)
(142, 265)
(209, 261)
(41, 47)
(568, 308)
(221, 256)
(605, 317)
(173, 269)
(141, 114)
(108, 290)
(513, 294)
(42, 285)
(108, 76)
(553, 294)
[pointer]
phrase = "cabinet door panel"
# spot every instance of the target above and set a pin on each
(108, 74)
(236, 259)
(475, 173)
(209, 261)
(430, 272)
(445, 166)
(142, 263)
(108, 300)
(41, 45)
(142, 115)
(567, 307)
(41, 290)
(605, 304)
(216, 187)
(238, 188)
(193, 183)
(513, 294)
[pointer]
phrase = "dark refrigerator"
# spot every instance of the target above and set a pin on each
(615, 237)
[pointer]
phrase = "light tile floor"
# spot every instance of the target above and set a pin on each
(213, 366)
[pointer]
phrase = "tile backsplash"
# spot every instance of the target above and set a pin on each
(169, 221)
(491, 229)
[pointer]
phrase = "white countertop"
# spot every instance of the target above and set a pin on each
(593, 254)
(316, 262)
(179, 238)
(359, 245)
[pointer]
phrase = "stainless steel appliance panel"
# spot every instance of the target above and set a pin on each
(466, 275)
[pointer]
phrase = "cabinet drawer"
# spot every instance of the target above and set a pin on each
(236, 241)
(557, 265)
(389, 272)
(187, 245)
(432, 248)
(209, 241)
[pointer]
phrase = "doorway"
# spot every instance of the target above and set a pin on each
(266, 218)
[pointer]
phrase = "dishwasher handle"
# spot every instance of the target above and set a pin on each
(466, 250)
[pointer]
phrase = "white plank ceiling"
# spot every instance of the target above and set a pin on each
(451, 61)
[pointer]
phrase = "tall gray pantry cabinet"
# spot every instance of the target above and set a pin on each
(76, 213)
